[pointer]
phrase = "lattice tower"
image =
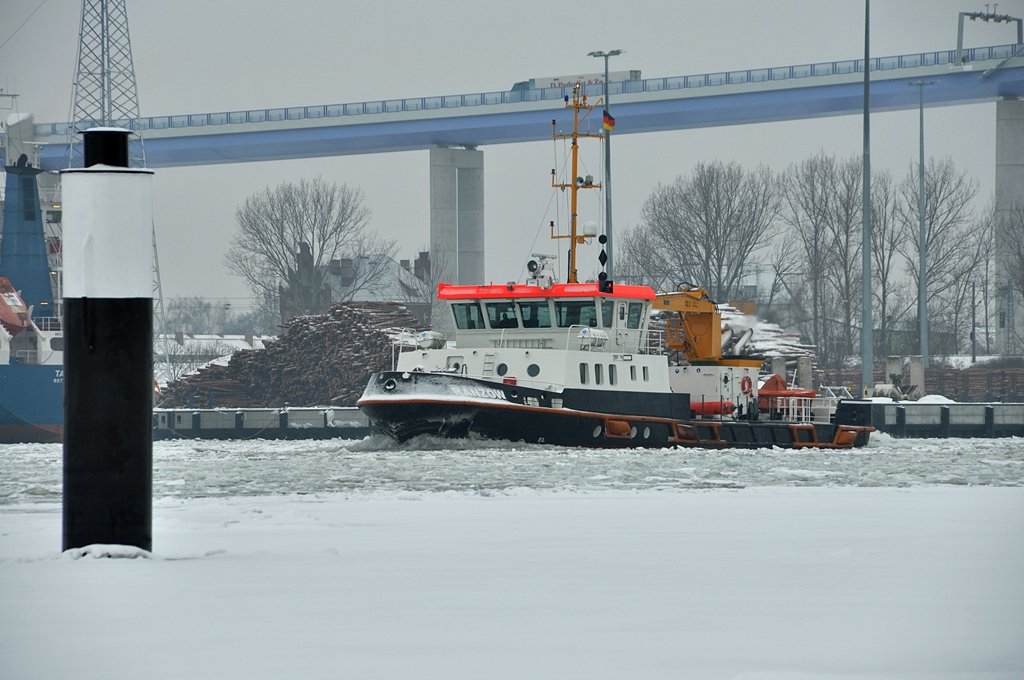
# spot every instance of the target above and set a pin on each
(105, 94)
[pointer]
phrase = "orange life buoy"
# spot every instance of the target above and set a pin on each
(747, 385)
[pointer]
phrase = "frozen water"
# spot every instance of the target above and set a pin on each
(470, 559)
(202, 469)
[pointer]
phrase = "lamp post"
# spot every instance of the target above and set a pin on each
(607, 161)
(922, 250)
(867, 338)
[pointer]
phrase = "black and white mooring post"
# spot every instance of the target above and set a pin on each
(108, 346)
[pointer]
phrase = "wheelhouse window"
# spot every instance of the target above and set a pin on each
(636, 314)
(501, 314)
(535, 314)
(607, 312)
(468, 316)
(575, 313)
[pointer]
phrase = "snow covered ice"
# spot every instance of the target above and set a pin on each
(436, 559)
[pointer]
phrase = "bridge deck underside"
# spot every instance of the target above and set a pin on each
(505, 124)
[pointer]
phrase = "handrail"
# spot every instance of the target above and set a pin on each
(554, 94)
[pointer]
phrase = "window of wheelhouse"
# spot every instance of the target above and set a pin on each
(501, 314)
(575, 313)
(607, 312)
(468, 316)
(535, 313)
(635, 314)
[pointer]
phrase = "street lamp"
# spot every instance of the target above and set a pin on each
(607, 161)
(922, 287)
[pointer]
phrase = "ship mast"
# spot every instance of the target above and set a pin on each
(578, 104)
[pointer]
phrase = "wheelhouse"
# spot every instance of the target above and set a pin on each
(561, 316)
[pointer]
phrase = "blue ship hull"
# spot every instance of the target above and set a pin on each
(31, 403)
(31, 394)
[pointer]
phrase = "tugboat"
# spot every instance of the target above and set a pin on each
(577, 364)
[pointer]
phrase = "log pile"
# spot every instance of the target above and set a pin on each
(318, 360)
(977, 383)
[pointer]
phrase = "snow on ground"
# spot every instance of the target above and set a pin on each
(935, 399)
(358, 559)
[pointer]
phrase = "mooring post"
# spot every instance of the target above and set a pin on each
(901, 421)
(108, 347)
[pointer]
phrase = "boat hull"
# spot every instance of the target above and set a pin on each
(406, 405)
(31, 403)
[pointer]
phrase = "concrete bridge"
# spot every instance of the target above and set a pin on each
(454, 127)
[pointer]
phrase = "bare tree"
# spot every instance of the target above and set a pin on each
(892, 301)
(786, 269)
(289, 234)
(950, 236)
(807, 208)
(708, 226)
(1009, 234)
(1008, 225)
(194, 314)
(844, 226)
(641, 261)
(957, 316)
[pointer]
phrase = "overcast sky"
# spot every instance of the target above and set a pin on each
(196, 56)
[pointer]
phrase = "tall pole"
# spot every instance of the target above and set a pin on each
(922, 250)
(974, 326)
(867, 332)
(607, 165)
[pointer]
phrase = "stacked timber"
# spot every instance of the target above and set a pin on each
(978, 383)
(318, 360)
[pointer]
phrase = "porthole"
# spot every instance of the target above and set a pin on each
(533, 370)
(597, 432)
(647, 433)
(502, 369)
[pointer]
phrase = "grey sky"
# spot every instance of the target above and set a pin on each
(197, 56)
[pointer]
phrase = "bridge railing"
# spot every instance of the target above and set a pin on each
(458, 101)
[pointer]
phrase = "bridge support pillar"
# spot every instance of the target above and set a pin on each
(1009, 194)
(457, 215)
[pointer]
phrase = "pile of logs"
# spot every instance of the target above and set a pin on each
(977, 383)
(318, 360)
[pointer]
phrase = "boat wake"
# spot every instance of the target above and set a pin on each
(427, 442)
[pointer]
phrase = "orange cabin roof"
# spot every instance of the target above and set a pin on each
(447, 291)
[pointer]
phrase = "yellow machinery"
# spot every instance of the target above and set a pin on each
(696, 331)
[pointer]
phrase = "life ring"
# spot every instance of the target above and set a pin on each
(747, 385)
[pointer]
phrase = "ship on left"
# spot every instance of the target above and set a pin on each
(31, 334)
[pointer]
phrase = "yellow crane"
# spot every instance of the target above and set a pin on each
(696, 329)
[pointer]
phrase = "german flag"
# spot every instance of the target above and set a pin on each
(609, 122)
